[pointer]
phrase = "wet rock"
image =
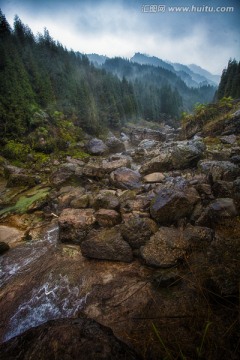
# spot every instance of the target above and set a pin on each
(199, 237)
(63, 173)
(173, 204)
(80, 202)
(186, 154)
(96, 147)
(219, 170)
(3, 247)
(138, 134)
(115, 145)
(67, 339)
(162, 162)
(228, 139)
(107, 200)
(125, 178)
(100, 167)
(217, 210)
(108, 218)
(69, 194)
(15, 180)
(74, 224)
(106, 244)
(137, 231)
(179, 155)
(165, 248)
(154, 177)
(148, 144)
(10, 235)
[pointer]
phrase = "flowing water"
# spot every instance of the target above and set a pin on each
(40, 285)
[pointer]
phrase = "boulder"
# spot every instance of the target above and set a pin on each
(173, 204)
(137, 231)
(107, 200)
(115, 145)
(100, 167)
(106, 244)
(228, 139)
(148, 144)
(63, 174)
(108, 218)
(180, 155)
(219, 170)
(68, 194)
(162, 162)
(74, 224)
(154, 177)
(96, 147)
(78, 339)
(165, 248)
(217, 210)
(125, 178)
(186, 154)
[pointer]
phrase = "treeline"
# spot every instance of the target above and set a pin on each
(159, 90)
(230, 81)
(43, 83)
(39, 73)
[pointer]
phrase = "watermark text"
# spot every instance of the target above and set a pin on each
(155, 8)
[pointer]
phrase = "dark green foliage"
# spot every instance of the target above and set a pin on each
(230, 81)
(39, 76)
(38, 73)
(158, 90)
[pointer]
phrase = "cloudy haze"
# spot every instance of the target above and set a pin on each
(122, 28)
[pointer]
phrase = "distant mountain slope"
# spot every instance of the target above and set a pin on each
(143, 59)
(192, 78)
(155, 86)
(97, 59)
(198, 70)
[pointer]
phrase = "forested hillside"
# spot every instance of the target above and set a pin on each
(39, 73)
(230, 81)
(43, 85)
(159, 90)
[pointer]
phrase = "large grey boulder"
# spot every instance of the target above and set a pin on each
(125, 178)
(106, 244)
(115, 145)
(172, 204)
(96, 147)
(177, 156)
(219, 170)
(218, 210)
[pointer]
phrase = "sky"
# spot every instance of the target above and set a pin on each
(208, 34)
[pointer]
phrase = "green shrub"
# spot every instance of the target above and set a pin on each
(14, 150)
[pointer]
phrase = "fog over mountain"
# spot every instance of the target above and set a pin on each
(121, 28)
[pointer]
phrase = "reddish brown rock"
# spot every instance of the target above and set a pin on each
(74, 224)
(107, 217)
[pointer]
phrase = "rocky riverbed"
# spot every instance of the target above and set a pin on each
(144, 240)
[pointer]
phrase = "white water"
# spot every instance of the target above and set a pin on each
(18, 259)
(53, 296)
(53, 300)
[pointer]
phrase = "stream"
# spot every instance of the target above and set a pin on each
(39, 289)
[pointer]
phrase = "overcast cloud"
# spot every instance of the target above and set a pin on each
(122, 28)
